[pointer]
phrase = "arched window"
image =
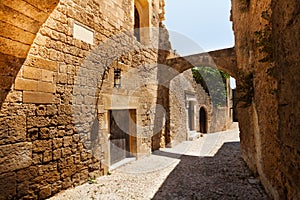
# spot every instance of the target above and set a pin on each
(142, 21)
(137, 24)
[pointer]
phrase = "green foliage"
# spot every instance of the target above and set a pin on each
(213, 82)
(92, 180)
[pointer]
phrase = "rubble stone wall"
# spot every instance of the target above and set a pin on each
(267, 49)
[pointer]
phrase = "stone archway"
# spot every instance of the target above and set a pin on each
(21, 20)
(224, 59)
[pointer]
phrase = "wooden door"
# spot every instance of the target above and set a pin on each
(119, 137)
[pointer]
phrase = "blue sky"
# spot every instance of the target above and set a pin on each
(204, 22)
(199, 25)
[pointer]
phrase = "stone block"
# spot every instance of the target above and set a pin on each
(67, 141)
(120, 102)
(76, 138)
(46, 87)
(27, 174)
(32, 73)
(41, 145)
(56, 187)
(47, 156)
(39, 121)
(15, 156)
(41, 110)
(77, 158)
(56, 154)
(26, 84)
(41, 63)
(46, 133)
(47, 75)
(14, 96)
(7, 185)
(38, 97)
(45, 192)
(66, 152)
(51, 110)
(63, 68)
(12, 129)
(33, 134)
(37, 158)
(62, 78)
(57, 143)
(65, 109)
(67, 183)
(23, 189)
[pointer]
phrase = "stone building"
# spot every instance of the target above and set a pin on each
(85, 78)
(192, 110)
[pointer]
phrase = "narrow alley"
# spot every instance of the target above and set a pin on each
(207, 168)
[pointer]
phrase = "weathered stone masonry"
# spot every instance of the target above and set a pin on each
(267, 49)
(47, 117)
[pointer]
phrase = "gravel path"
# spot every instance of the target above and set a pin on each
(207, 168)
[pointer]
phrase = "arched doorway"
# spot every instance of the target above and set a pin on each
(137, 24)
(203, 120)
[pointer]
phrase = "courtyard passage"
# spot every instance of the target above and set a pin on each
(207, 168)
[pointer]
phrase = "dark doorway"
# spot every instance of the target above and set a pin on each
(191, 116)
(137, 24)
(122, 135)
(203, 120)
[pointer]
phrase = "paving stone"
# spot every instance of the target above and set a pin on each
(207, 168)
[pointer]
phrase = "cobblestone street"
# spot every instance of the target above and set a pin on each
(207, 168)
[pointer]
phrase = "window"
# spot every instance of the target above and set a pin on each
(137, 24)
(142, 21)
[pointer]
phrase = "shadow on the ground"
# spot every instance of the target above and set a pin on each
(224, 176)
(166, 154)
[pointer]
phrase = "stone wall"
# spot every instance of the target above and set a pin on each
(20, 22)
(181, 86)
(267, 48)
(218, 118)
(51, 138)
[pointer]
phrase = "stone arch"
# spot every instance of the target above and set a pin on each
(143, 9)
(20, 23)
(203, 119)
(224, 59)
